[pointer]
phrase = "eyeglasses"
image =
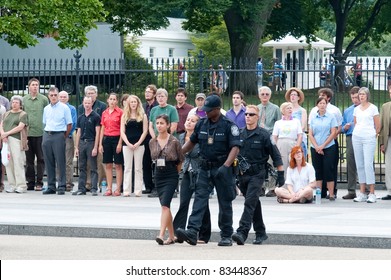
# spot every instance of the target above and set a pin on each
(299, 152)
(264, 94)
(294, 94)
(53, 95)
(250, 114)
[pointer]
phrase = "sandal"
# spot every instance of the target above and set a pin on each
(159, 240)
(282, 200)
(108, 193)
(117, 193)
(125, 195)
(168, 242)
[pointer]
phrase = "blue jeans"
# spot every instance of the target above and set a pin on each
(364, 153)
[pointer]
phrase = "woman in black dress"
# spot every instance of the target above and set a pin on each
(167, 155)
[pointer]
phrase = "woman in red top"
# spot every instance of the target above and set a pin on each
(110, 143)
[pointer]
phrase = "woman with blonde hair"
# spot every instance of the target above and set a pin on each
(300, 180)
(134, 129)
(287, 133)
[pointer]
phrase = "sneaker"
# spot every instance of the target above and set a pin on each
(10, 190)
(361, 197)
(94, 193)
(20, 190)
(371, 198)
(78, 193)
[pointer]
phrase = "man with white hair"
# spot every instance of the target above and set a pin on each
(269, 113)
(69, 143)
(97, 106)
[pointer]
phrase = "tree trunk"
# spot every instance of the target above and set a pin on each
(245, 36)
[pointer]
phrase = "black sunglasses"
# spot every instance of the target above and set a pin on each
(250, 114)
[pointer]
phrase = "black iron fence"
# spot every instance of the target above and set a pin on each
(202, 75)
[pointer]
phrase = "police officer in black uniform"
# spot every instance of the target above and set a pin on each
(253, 156)
(219, 142)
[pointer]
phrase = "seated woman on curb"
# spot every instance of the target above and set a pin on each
(300, 180)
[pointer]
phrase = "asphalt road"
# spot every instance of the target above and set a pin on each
(64, 258)
(66, 248)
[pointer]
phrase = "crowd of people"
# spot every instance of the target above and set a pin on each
(161, 150)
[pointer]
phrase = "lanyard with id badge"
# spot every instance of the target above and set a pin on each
(161, 159)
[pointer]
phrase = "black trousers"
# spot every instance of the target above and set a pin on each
(35, 150)
(335, 172)
(181, 216)
(251, 187)
(225, 189)
(147, 165)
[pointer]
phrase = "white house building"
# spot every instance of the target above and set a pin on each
(171, 42)
(295, 53)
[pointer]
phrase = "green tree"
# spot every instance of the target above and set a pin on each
(23, 21)
(358, 21)
(136, 80)
(214, 44)
(246, 22)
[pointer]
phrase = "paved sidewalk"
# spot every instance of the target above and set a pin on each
(339, 224)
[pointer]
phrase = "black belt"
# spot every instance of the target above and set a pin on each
(54, 132)
(255, 168)
(168, 164)
(205, 164)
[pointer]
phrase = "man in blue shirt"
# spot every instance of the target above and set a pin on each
(347, 129)
(236, 113)
(57, 121)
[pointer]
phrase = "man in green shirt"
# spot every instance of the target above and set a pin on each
(163, 108)
(33, 104)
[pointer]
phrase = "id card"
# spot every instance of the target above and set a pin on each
(210, 140)
(161, 162)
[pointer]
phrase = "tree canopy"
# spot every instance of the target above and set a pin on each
(23, 21)
(245, 22)
(357, 22)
